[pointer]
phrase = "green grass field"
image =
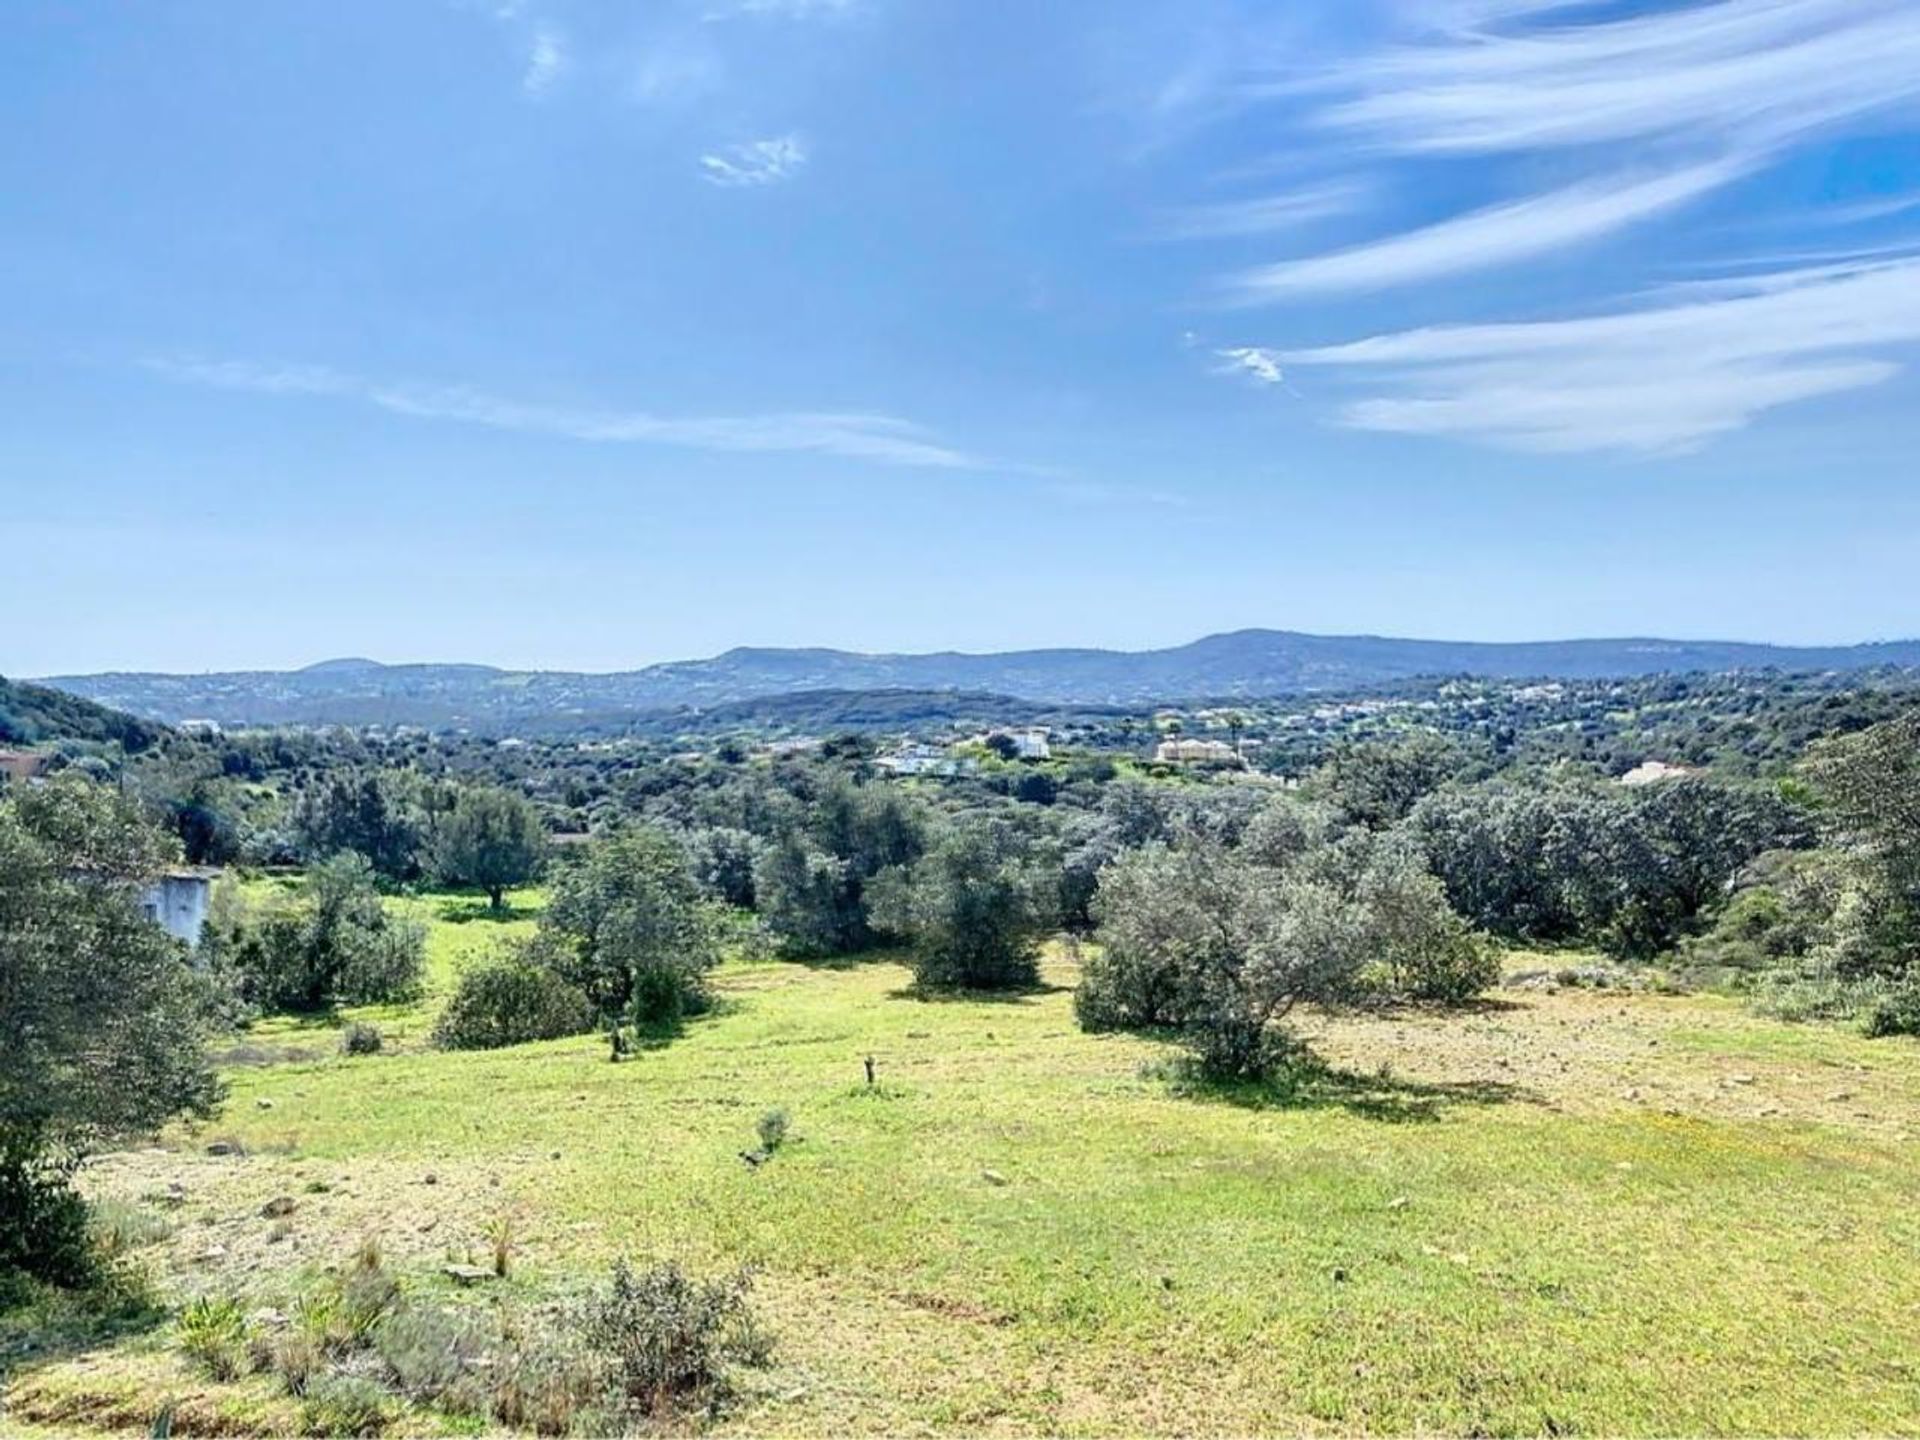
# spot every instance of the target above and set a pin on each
(1564, 1212)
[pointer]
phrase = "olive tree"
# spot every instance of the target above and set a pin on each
(103, 1021)
(1199, 941)
(973, 909)
(627, 927)
(490, 839)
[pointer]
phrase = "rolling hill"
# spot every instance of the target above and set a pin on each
(1241, 663)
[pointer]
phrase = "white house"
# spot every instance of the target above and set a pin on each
(178, 900)
(1196, 752)
(1028, 744)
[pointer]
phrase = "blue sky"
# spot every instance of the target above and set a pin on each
(569, 334)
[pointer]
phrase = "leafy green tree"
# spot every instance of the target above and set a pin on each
(627, 927)
(807, 901)
(490, 839)
(1202, 942)
(369, 812)
(103, 1022)
(334, 943)
(810, 885)
(1377, 784)
(973, 908)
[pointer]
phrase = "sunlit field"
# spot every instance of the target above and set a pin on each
(1564, 1211)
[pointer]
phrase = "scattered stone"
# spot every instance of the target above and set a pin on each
(226, 1147)
(1740, 1079)
(213, 1254)
(993, 1177)
(1399, 1202)
(1632, 1092)
(430, 1179)
(263, 1103)
(753, 1159)
(1839, 1095)
(278, 1208)
(269, 1319)
(554, 1156)
(467, 1274)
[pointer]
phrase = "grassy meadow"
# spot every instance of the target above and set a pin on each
(1566, 1211)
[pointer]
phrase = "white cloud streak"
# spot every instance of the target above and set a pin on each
(1756, 73)
(1255, 362)
(754, 162)
(544, 62)
(1268, 214)
(1486, 238)
(880, 438)
(1662, 378)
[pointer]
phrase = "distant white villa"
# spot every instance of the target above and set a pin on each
(1028, 744)
(1196, 752)
(178, 900)
(923, 760)
(1652, 772)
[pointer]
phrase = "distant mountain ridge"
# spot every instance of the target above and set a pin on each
(1242, 663)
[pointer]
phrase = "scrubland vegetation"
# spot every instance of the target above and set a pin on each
(1445, 1083)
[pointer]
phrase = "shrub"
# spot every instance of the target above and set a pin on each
(667, 1341)
(334, 944)
(1199, 941)
(973, 907)
(360, 1038)
(1422, 950)
(511, 1001)
(213, 1333)
(773, 1130)
(43, 1220)
(436, 1358)
(345, 1405)
(1895, 1010)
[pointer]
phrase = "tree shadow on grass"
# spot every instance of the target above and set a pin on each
(466, 909)
(42, 1325)
(659, 1034)
(1311, 1084)
(1025, 995)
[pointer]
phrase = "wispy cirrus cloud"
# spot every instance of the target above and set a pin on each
(1658, 378)
(754, 162)
(1268, 214)
(1707, 93)
(1753, 73)
(879, 438)
(1487, 238)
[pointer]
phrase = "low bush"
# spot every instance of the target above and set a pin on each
(360, 1038)
(347, 1405)
(511, 1001)
(667, 1341)
(213, 1333)
(773, 1130)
